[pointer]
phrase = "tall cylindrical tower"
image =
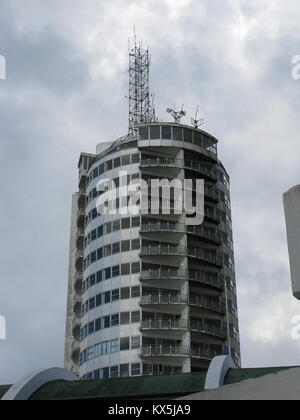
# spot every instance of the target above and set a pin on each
(151, 294)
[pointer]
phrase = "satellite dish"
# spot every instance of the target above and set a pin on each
(169, 110)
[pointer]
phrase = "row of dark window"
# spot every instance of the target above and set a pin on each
(111, 272)
(95, 193)
(109, 347)
(124, 160)
(111, 249)
(109, 227)
(110, 296)
(166, 132)
(114, 372)
(109, 321)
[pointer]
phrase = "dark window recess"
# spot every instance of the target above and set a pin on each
(124, 343)
(125, 318)
(125, 269)
(155, 132)
(143, 132)
(125, 293)
(166, 132)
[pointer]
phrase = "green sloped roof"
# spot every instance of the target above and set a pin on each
(3, 390)
(238, 375)
(134, 387)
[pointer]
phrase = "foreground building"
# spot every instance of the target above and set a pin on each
(221, 382)
(149, 293)
(291, 200)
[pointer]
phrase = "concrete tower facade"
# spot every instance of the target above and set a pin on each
(149, 294)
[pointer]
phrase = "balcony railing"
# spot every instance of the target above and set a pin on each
(150, 351)
(179, 299)
(203, 328)
(179, 163)
(164, 250)
(206, 278)
(76, 346)
(167, 299)
(77, 299)
(176, 274)
(161, 324)
(202, 302)
(165, 226)
(79, 254)
(76, 322)
(173, 250)
(81, 197)
(80, 217)
(180, 351)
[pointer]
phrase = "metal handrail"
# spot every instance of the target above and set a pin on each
(181, 251)
(186, 351)
(178, 274)
(180, 163)
(161, 324)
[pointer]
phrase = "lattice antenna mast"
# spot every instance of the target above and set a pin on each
(141, 109)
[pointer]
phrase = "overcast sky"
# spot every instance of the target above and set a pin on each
(65, 92)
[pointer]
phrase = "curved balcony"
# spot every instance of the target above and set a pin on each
(79, 259)
(211, 193)
(200, 353)
(77, 301)
(203, 255)
(75, 370)
(177, 351)
(208, 279)
(202, 328)
(161, 324)
(76, 323)
(82, 178)
(202, 303)
(81, 198)
(78, 281)
(211, 215)
(163, 226)
(171, 250)
(75, 346)
(177, 251)
(192, 165)
(166, 300)
(80, 238)
(80, 218)
(164, 351)
(173, 227)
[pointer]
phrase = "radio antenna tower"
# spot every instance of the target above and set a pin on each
(141, 108)
(195, 122)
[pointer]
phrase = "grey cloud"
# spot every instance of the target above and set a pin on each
(53, 107)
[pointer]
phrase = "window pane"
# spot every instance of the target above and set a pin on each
(135, 369)
(143, 132)
(188, 135)
(125, 246)
(165, 132)
(135, 317)
(124, 370)
(125, 318)
(177, 133)
(125, 269)
(135, 342)
(126, 223)
(124, 343)
(125, 293)
(155, 132)
(126, 160)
